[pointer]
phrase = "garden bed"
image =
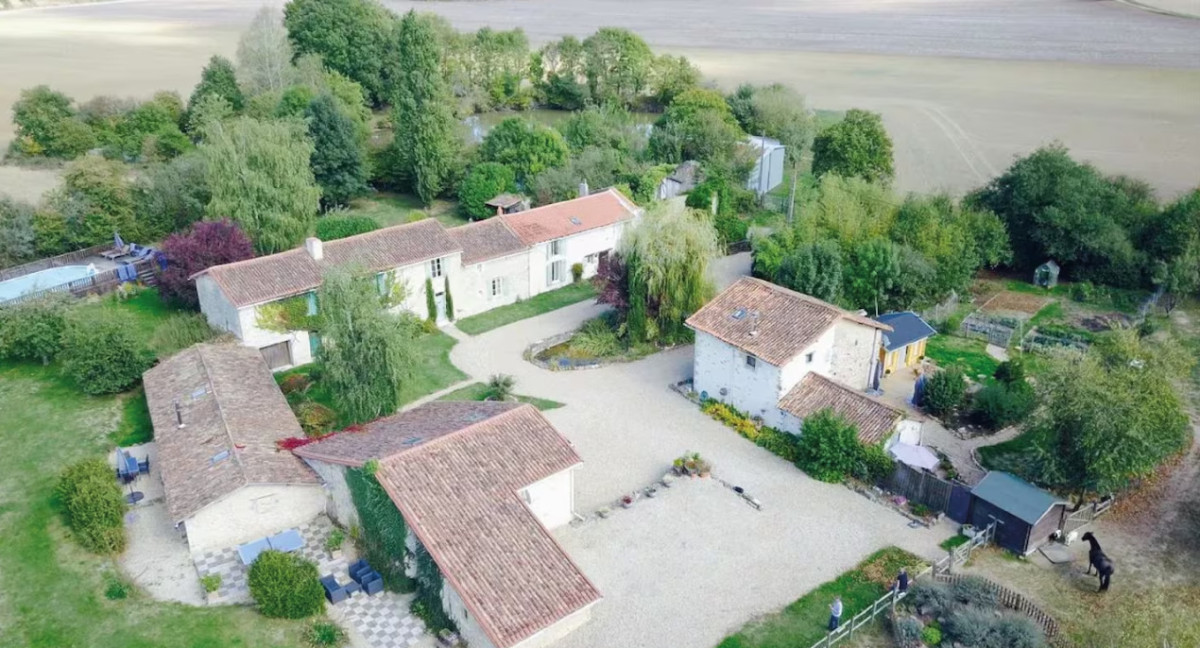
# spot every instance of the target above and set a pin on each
(480, 391)
(595, 344)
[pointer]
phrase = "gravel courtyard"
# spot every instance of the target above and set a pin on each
(697, 542)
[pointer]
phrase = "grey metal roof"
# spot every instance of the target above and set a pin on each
(1015, 496)
(907, 327)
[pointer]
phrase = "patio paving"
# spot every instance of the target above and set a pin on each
(381, 621)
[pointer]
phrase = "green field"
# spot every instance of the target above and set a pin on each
(968, 354)
(389, 209)
(543, 303)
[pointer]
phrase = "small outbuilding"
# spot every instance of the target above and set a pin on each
(508, 204)
(683, 179)
(904, 345)
(769, 160)
(1046, 275)
(1026, 515)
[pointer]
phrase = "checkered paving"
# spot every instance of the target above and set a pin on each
(228, 564)
(383, 620)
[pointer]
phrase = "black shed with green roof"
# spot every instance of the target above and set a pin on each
(1026, 515)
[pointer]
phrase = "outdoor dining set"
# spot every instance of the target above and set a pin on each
(128, 470)
(363, 579)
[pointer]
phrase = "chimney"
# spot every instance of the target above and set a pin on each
(583, 188)
(315, 248)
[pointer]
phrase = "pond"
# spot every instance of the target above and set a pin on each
(479, 125)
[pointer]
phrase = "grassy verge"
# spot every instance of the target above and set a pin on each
(543, 303)
(389, 209)
(479, 391)
(135, 424)
(805, 621)
(1015, 455)
(953, 541)
(968, 354)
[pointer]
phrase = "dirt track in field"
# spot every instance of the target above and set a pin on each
(963, 86)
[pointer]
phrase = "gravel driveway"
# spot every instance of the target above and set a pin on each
(694, 564)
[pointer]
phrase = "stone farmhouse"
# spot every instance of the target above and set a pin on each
(475, 267)
(781, 356)
(479, 484)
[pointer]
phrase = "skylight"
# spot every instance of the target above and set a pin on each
(739, 314)
(576, 221)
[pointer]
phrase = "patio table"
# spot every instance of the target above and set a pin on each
(131, 465)
(249, 551)
(289, 540)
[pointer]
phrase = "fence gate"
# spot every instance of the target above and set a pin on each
(960, 503)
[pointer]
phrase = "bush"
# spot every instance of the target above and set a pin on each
(1014, 631)
(1010, 371)
(874, 464)
(597, 339)
(32, 330)
(296, 382)
(730, 230)
(931, 635)
(93, 505)
(974, 590)
(931, 597)
(102, 356)
(500, 387)
(784, 444)
(323, 634)
(484, 181)
(944, 391)
(315, 419)
(828, 448)
(116, 589)
(180, 331)
(907, 632)
(331, 228)
(211, 582)
(206, 244)
(285, 586)
(969, 626)
(999, 405)
(576, 272)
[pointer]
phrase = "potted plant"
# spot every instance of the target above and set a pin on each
(212, 585)
(333, 544)
(627, 500)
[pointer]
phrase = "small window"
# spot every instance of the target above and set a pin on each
(592, 259)
(435, 268)
(751, 361)
(312, 304)
(556, 248)
(808, 357)
(558, 271)
(496, 288)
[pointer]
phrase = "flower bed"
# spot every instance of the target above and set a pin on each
(775, 441)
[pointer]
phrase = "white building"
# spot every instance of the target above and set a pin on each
(475, 267)
(769, 158)
(781, 356)
(479, 485)
(217, 416)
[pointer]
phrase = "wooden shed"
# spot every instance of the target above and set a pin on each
(1026, 515)
(1046, 275)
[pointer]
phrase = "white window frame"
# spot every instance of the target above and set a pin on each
(559, 268)
(435, 268)
(555, 249)
(496, 287)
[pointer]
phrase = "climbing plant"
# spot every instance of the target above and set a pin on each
(290, 314)
(428, 602)
(383, 528)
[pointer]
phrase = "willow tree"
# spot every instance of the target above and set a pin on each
(666, 258)
(260, 178)
(367, 351)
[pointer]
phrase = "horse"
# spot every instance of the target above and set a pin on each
(1097, 559)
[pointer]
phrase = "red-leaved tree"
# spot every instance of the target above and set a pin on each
(612, 285)
(206, 244)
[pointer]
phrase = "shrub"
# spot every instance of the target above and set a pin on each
(931, 635)
(323, 634)
(944, 391)
(596, 338)
(828, 448)
(500, 387)
(331, 228)
(576, 272)
(730, 230)
(211, 582)
(1010, 371)
(874, 464)
(206, 244)
(969, 626)
(315, 419)
(116, 589)
(32, 330)
(907, 631)
(285, 586)
(93, 505)
(293, 383)
(483, 182)
(784, 444)
(974, 590)
(931, 597)
(102, 356)
(180, 331)
(999, 405)
(1014, 631)
(336, 538)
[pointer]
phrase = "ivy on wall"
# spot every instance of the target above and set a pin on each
(428, 603)
(291, 314)
(383, 529)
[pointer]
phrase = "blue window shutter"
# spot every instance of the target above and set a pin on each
(314, 343)
(312, 304)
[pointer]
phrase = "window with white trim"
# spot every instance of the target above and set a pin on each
(435, 268)
(556, 248)
(496, 287)
(556, 271)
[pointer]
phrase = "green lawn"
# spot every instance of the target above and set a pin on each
(802, 623)
(543, 303)
(51, 591)
(1013, 455)
(969, 354)
(478, 391)
(389, 208)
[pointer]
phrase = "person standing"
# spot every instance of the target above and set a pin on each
(835, 613)
(902, 581)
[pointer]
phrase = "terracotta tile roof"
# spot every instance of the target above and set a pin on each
(458, 489)
(485, 240)
(276, 276)
(814, 392)
(233, 414)
(505, 200)
(770, 321)
(555, 221)
(390, 435)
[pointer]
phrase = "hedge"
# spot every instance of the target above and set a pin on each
(384, 531)
(93, 505)
(286, 586)
(102, 356)
(775, 441)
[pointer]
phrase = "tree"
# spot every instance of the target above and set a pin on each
(367, 352)
(170, 197)
(828, 448)
(857, 146)
(46, 124)
(525, 147)
(609, 127)
(352, 37)
(557, 71)
(1111, 415)
(32, 330)
(260, 178)
(666, 258)
(813, 269)
(672, 76)
(498, 63)
(425, 144)
(16, 231)
(484, 181)
(285, 585)
(944, 391)
(698, 125)
(94, 202)
(205, 245)
(1000, 404)
(597, 167)
(93, 505)
(618, 65)
(158, 119)
(335, 226)
(101, 354)
(339, 157)
(264, 54)
(220, 79)
(871, 275)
